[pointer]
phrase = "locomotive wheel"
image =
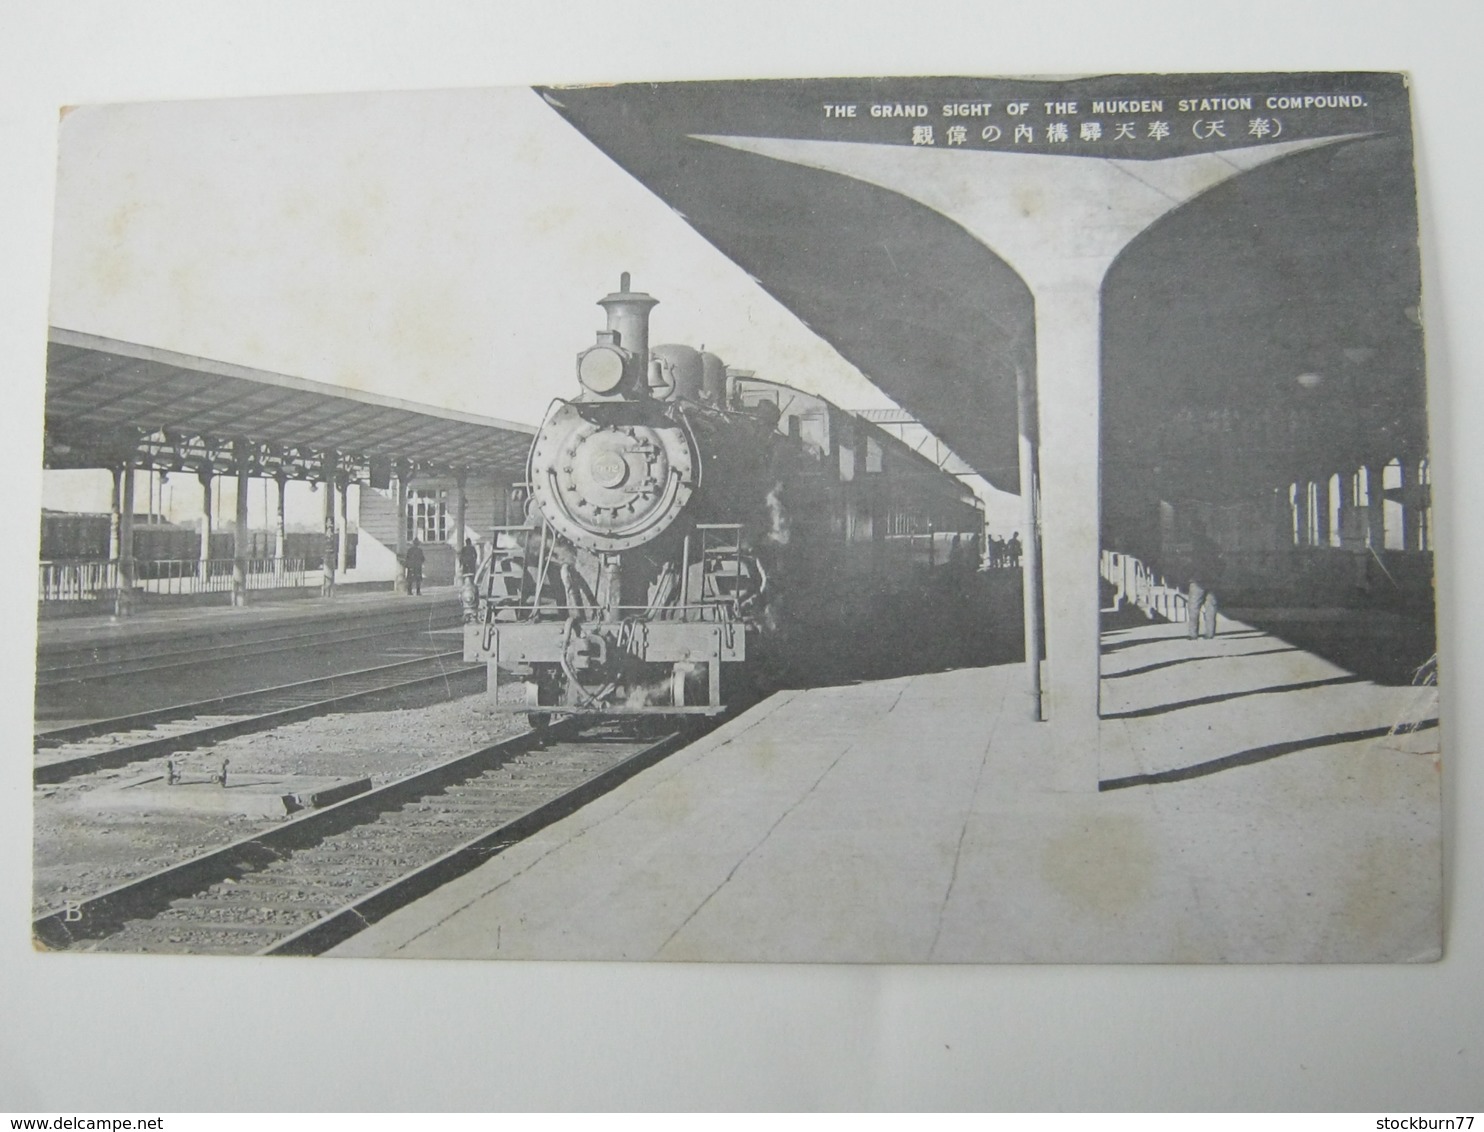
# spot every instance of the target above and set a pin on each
(538, 721)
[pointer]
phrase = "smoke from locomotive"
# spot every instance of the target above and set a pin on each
(680, 514)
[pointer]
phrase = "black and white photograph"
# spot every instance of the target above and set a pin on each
(915, 520)
(850, 558)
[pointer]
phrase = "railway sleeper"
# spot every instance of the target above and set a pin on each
(266, 883)
(266, 899)
(273, 919)
(456, 805)
(368, 861)
(170, 928)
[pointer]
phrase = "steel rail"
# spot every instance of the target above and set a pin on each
(336, 928)
(126, 664)
(76, 732)
(59, 770)
(146, 898)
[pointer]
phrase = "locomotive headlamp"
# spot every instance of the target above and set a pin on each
(601, 368)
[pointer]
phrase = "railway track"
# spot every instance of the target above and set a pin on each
(304, 886)
(67, 752)
(102, 662)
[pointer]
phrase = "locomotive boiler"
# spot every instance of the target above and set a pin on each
(678, 516)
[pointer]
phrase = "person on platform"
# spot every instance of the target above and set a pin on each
(414, 562)
(1205, 575)
(1013, 551)
(468, 567)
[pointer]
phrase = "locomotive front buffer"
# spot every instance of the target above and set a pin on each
(574, 651)
(625, 667)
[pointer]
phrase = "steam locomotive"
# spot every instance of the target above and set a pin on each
(683, 518)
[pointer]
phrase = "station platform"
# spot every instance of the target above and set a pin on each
(1256, 803)
(173, 622)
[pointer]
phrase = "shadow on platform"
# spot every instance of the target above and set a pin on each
(1175, 708)
(1386, 644)
(1386, 647)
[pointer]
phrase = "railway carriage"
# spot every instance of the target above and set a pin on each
(685, 519)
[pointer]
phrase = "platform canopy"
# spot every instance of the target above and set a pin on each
(108, 400)
(1261, 332)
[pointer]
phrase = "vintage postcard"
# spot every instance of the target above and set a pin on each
(904, 520)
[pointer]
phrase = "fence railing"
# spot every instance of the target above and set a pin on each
(98, 581)
(77, 581)
(1138, 585)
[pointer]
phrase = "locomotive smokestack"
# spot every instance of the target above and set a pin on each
(628, 313)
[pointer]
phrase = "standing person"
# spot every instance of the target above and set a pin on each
(468, 560)
(415, 568)
(1013, 549)
(468, 567)
(1205, 574)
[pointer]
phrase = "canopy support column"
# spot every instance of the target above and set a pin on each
(342, 554)
(115, 515)
(399, 501)
(331, 544)
(281, 532)
(1030, 578)
(460, 509)
(241, 451)
(123, 603)
(204, 476)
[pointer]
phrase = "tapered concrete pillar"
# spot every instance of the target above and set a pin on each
(1349, 527)
(1353, 528)
(1068, 347)
(1411, 527)
(1059, 221)
(1375, 509)
(1282, 519)
(1419, 497)
(1030, 520)
(1321, 510)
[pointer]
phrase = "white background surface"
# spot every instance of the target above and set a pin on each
(92, 1033)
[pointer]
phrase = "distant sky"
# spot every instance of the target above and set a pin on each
(444, 247)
